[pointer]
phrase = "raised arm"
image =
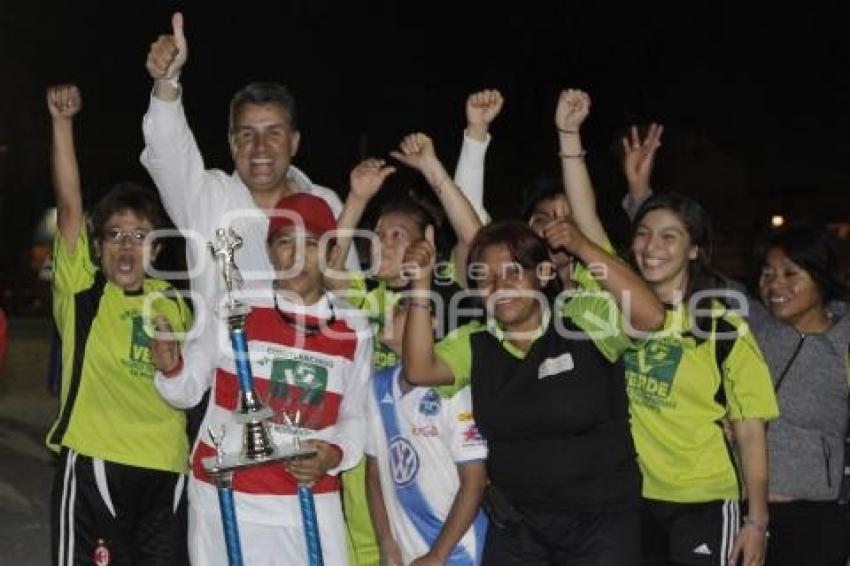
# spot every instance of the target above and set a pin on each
(481, 109)
(171, 155)
(638, 161)
(573, 107)
(63, 102)
(417, 151)
(366, 180)
(645, 313)
(421, 365)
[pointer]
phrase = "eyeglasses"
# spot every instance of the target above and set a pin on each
(117, 236)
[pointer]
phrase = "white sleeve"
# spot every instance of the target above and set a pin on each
(631, 206)
(186, 389)
(174, 162)
(349, 432)
(466, 443)
(469, 174)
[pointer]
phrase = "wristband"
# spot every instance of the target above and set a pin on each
(411, 303)
(579, 155)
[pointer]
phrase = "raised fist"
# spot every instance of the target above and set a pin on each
(64, 101)
(482, 108)
(573, 107)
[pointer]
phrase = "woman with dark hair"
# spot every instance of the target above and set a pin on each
(547, 395)
(803, 328)
(704, 369)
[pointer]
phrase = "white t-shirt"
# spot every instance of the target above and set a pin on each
(419, 438)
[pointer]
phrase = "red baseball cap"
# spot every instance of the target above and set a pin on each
(315, 214)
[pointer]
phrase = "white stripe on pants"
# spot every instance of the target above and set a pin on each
(730, 526)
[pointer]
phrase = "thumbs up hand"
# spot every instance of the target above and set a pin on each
(168, 53)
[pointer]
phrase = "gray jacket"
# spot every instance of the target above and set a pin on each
(806, 444)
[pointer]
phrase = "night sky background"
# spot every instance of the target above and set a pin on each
(754, 99)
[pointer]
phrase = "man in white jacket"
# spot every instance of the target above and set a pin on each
(264, 138)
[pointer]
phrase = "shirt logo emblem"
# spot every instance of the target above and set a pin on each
(404, 461)
(430, 404)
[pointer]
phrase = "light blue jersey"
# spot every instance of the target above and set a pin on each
(419, 438)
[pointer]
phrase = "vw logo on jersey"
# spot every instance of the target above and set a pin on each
(404, 461)
(430, 403)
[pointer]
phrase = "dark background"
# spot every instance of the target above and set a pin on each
(754, 99)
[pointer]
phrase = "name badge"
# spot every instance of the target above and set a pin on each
(554, 366)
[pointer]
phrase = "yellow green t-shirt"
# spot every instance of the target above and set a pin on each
(109, 407)
(672, 380)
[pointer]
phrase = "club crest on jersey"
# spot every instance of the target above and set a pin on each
(101, 556)
(430, 404)
(404, 461)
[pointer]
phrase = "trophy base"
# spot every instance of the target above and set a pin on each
(233, 462)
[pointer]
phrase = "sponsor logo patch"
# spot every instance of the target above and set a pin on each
(404, 461)
(430, 404)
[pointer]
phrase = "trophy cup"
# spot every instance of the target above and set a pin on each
(251, 413)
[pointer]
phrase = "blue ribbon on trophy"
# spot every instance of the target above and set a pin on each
(257, 448)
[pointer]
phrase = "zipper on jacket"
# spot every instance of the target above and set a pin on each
(790, 362)
(827, 455)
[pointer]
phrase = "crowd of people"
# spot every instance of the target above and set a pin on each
(517, 394)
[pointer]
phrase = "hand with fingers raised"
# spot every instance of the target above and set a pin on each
(368, 177)
(639, 158)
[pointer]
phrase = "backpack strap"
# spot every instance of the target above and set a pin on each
(722, 349)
